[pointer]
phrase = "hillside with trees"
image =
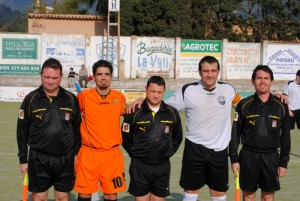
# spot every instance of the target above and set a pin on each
(12, 20)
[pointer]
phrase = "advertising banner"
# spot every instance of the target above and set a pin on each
(154, 55)
(239, 59)
(283, 59)
(19, 48)
(17, 94)
(14, 94)
(68, 49)
(192, 51)
(20, 54)
(20, 69)
(133, 95)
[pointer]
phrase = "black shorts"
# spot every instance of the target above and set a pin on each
(46, 170)
(295, 119)
(201, 166)
(259, 170)
(145, 178)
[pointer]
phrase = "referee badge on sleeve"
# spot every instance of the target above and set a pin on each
(167, 129)
(236, 116)
(67, 116)
(274, 124)
(125, 127)
(21, 114)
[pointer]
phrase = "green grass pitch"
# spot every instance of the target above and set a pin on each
(11, 181)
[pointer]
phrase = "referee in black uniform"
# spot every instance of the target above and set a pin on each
(48, 125)
(261, 123)
(151, 135)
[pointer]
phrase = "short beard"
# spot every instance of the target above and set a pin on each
(103, 88)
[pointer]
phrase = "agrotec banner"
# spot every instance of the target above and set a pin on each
(192, 51)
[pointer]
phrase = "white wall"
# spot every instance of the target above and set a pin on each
(23, 54)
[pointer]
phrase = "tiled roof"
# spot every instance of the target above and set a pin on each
(67, 16)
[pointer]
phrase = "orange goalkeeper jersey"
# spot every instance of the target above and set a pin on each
(100, 125)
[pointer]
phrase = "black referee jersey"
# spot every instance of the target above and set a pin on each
(261, 127)
(48, 124)
(152, 139)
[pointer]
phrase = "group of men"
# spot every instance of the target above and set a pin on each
(83, 77)
(61, 129)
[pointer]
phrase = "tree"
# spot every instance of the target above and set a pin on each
(15, 24)
(70, 7)
(101, 6)
(243, 20)
(272, 19)
(176, 18)
(12, 20)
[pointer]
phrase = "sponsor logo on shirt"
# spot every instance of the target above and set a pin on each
(104, 103)
(252, 122)
(39, 116)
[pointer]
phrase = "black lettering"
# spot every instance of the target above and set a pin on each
(117, 182)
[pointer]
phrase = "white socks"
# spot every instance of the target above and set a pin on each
(221, 198)
(190, 197)
(194, 197)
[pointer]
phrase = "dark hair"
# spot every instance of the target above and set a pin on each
(264, 68)
(210, 60)
(298, 73)
(156, 80)
(52, 63)
(102, 63)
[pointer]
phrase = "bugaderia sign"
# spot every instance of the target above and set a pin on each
(19, 48)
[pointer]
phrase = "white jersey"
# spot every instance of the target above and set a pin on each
(292, 90)
(208, 113)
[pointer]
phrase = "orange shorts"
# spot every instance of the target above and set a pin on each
(104, 167)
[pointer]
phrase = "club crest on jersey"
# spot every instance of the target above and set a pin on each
(115, 101)
(274, 123)
(221, 100)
